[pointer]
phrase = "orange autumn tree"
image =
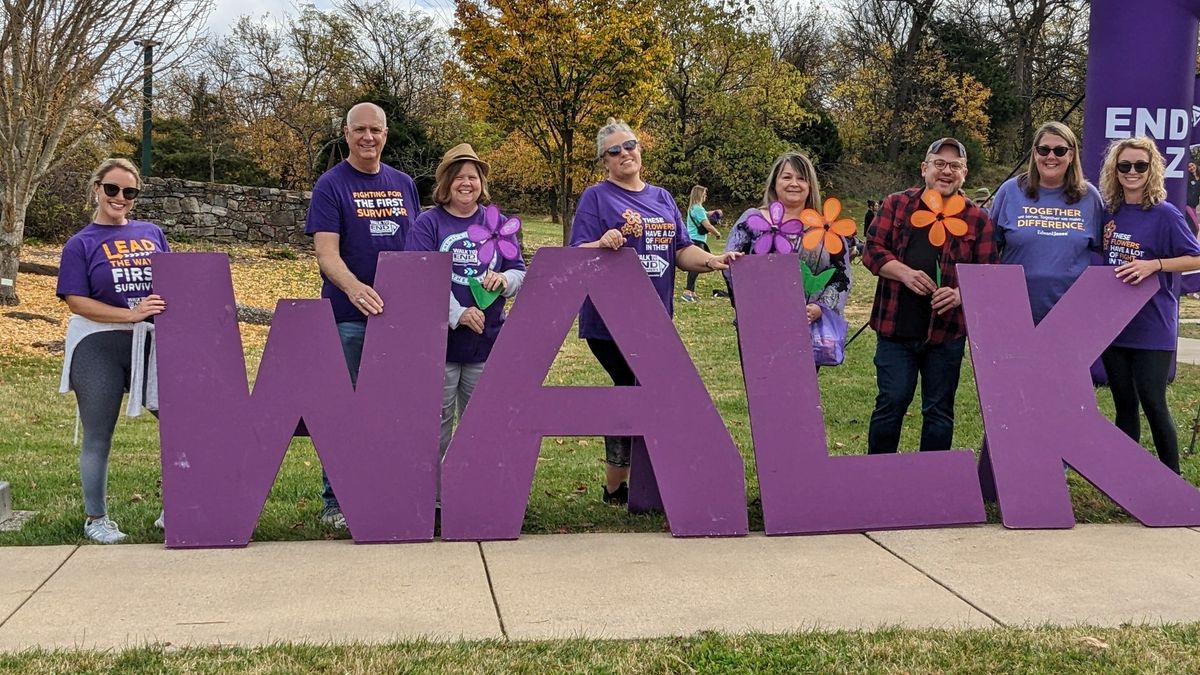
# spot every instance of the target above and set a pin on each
(553, 70)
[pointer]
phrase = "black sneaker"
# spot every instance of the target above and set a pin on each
(720, 294)
(619, 496)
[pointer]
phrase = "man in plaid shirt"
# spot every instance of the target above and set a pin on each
(918, 311)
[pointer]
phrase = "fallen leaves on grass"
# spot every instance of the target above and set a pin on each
(261, 277)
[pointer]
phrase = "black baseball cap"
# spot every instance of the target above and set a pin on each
(937, 145)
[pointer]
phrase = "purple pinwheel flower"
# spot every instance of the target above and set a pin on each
(492, 236)
(772, 236)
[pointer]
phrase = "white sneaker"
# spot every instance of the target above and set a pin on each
(160, 523)
(332, 517)
(104, 531)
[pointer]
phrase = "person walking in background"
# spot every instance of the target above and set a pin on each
(1049, 218)
(1148, 240)
(623, 211)
(105, 279)
(359, 208)
(1193, 185)
(698, 227)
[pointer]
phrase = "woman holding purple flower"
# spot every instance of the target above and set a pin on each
(623, 211)
(792, 183)
(486, 269)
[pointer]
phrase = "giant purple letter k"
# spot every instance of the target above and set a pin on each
(1039, 408)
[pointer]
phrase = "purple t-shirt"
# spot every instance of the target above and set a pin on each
(1134, 233)
(110, 263)
(1052, 239)
(370, 213)
(652, 226)
(439, 230)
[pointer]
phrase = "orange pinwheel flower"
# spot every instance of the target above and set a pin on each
(826, 228)
(941, 215)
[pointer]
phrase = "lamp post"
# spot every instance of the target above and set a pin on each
(147, 93)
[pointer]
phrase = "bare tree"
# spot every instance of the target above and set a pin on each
(64, 66)
(800, 36)
(398, 53)
(889, 34)
(1045, 47)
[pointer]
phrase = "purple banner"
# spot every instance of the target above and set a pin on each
(1150, 94)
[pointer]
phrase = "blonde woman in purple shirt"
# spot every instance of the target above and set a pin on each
(105, 279)
(623, 211)
(1148, 241)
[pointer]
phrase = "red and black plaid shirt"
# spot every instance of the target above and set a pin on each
(887, 240)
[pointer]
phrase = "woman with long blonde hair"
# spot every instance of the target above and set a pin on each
(105, 279)
(699, 226)
(1147, 240)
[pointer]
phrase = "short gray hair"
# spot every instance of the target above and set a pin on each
(611, 127)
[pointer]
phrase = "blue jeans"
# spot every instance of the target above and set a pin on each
(351, 334)
(897, 365)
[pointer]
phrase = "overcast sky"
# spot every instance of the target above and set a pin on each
(226, 12)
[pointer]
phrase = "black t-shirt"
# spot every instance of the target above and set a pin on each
(914, 312)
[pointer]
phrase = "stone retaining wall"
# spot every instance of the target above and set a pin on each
(224, 213)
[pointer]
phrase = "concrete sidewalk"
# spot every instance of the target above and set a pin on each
(560, 586)
(1188, 351)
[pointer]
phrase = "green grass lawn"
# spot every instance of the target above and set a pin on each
(38, 458)
(1043, 650)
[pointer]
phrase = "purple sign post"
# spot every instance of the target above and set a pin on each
(804, 490)
(1039, 408)
(488, 469)
(1150, 95)
(222, 446)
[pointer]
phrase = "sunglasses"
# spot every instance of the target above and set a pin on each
(1139, 166)
(111, 189)
(615, 150)
(1058, 150)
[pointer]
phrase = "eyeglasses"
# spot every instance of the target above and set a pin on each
(1139, 166)
(942, 165)
(1058, 150)
(615, 150)
(111, 189)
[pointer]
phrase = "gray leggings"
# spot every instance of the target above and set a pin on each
(100, 377)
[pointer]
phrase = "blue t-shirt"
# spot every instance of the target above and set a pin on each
(1146, 234)
(652, 226)
(111, 263)
(695, 217)
(1052, 239)
(439, 230)
(370, 213)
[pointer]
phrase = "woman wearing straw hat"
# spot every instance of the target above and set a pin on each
(476, 315)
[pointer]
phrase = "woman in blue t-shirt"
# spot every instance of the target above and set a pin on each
(1048, 219)
(1148, 240)
(699, 226)
(105, 279)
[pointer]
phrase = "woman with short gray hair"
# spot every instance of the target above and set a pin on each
(623, 211)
